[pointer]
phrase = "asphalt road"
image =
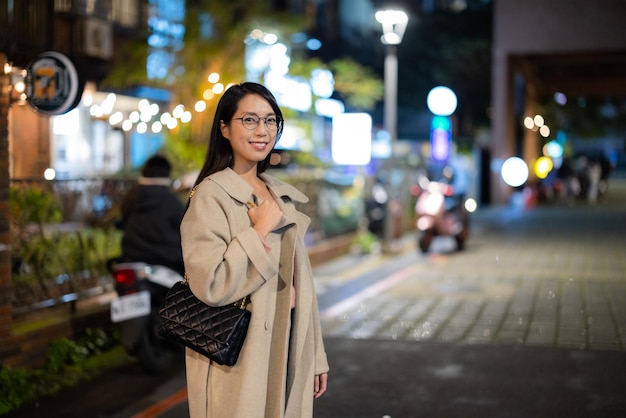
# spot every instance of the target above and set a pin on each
(529, 321)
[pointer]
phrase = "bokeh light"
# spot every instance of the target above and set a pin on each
(514, 171)
(553, 149)
(441, 101)
(471, 205)
(543, 166)
(49, 174)
(200, 106)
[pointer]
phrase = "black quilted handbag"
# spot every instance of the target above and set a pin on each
(215, 332)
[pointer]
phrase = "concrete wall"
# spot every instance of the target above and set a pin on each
(540, 27)
(32, 132)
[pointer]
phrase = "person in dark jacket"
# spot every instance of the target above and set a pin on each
(151, 215)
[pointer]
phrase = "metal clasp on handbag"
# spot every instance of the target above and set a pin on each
(243, 302)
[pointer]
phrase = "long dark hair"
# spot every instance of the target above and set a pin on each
(220, 154)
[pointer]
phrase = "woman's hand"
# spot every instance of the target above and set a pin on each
(319, 387)
(265, 217)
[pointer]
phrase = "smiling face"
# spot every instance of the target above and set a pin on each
(249, 146)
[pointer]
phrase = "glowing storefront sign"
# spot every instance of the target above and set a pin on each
(352, 139)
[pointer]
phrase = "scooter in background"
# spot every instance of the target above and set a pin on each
(141, 288)
(440, 212)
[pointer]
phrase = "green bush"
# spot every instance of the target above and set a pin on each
(366, 242)
(68, 363)
(18, 387)
(42, 250)
(33, 206)
(64, 352)
(49, 255)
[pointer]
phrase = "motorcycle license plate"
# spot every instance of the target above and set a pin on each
(130, 306)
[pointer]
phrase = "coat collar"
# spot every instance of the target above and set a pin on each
(238, 189)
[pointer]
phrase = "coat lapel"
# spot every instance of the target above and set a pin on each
(287, 193)
(241, 191)
(233, 184)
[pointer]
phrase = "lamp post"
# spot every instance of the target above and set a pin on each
(394, 24)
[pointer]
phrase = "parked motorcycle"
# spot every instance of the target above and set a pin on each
(440, 212)
(141, 289)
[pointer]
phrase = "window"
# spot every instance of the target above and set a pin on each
(126, 13)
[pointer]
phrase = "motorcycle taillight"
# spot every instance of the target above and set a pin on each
(125, 277)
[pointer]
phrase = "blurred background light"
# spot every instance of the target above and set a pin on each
(270, 38)
(165, 117)
(553, 149)
(514, 171)
(200, 106)
(67, 124)
(328, 107)
(471, 205)
(322, 83)
(178, 111)
(543, 166)
(213, 78)
(313, 44)
(208, 94)
(560, 98)
(352, 139)
(172, 123)
(185, 117)
(116, 118)
(529, 123)
(49, 174)
(441, 101)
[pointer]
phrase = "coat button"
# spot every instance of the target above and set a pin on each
(267, 325)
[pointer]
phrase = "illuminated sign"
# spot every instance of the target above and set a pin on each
(440, 135)
(52, 84)
(352, 139)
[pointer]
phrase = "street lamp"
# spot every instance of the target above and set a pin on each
(394, 24)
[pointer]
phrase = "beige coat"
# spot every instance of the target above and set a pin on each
(225, 260)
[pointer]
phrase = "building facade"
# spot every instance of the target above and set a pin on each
(573, 48)
(90, 34)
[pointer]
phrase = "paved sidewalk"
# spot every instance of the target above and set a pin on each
(551, 276)
(529, 321)
(405, 379)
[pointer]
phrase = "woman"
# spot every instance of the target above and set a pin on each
(231, 250)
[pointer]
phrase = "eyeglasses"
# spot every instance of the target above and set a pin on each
(250, 121)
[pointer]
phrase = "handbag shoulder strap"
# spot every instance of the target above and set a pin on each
(242, 303)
